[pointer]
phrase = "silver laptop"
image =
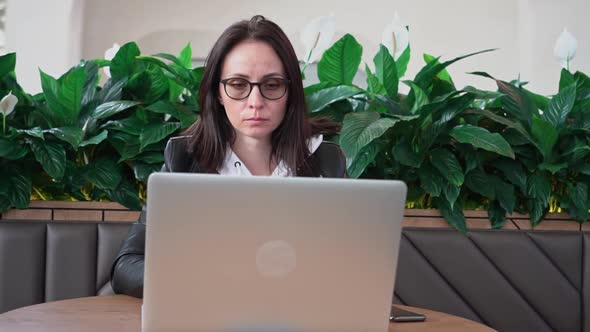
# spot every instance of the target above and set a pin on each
(237, 254)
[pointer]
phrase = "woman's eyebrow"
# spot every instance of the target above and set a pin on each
(273, 74)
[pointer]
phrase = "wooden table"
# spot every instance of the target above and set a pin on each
(122, 313)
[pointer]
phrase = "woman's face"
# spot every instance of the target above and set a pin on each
(254, 116)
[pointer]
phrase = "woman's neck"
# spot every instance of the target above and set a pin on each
(255, 154)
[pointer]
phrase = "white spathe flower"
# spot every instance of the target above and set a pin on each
(109, 55)
(317, 36)
(396, 37)
(565, 48)
(8, 103)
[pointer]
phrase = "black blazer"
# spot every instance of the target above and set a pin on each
(127, 271)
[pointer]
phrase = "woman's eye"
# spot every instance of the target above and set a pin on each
(238, 86)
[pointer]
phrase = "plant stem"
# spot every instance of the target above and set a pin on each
(3, 124)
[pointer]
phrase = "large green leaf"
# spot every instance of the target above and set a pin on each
(126, 194)
(124, 63)
(402, 62)
(111, 108)
(360, 129)
(513, 171)
(156, 132)
(96, 139)
(104, 173)
(443, 74)
(373, 83)
(504, 194)
(72, 135)
(578, 193)
(363, 158)
(497, 215)
(318, 100)
(419, 97)
(112, 90)
(51, 89)
(560, 106)
(404, 153)
(566, 79)
(453, 214)
(386, 71)
(430, 71)
(505, 121)
(51, 156)
(451, 193)
(431, 180)
(12, 149)
(142, 170)
(126, 144)
(186, 56)
(71, 90)
(448, 165)
(181, 113)
(7, 64)
(19, 188)
(481, 138)
(340, 62)
(545, 134)
(479, 182)
(539, 187)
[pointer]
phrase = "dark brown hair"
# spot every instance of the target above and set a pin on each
(213, 131)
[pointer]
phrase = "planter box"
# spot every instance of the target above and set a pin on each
(115, 212)
(74, 211)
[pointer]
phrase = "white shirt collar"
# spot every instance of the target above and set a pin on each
(232, 165)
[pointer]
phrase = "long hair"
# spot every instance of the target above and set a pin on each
(211, 134)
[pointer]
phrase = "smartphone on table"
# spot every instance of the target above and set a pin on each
(402, 315)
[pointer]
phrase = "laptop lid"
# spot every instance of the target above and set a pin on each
(270, 254)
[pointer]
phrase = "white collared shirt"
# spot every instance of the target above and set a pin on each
(232, 165)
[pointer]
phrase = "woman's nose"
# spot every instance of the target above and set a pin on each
(255, 99)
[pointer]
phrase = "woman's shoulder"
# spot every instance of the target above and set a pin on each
(177, 157)
(330, 160)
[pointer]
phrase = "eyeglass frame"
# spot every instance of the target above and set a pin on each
(253, 84)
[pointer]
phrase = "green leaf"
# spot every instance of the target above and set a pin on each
(545, 135)
(186, 56)
(181, 113)
(70, 94)
(481, 138)
(124, 63)
(579, 196)
(443, 74)
(451, 192)
(419, 96)
(537, 209)
(560, 106)
(96, 139)
(363, 159)
(514, 172)
(7, 64)
(504, 194)
(386, 71)
(405, 154)
(51, 156)
(318, 100)
(72, 135)
(497, 215)
(104, 173)
(539, 187)
(448, 165)
(143, 170)
(340, 62)
(51, 89)
(479, 182)
(453, 215)
(360, 129)
(402, 62)
(552, 168)
(19, 193)
(516, 102)
(127, 194)
(566, 79)
(373, 83)
(127, 145)
(111, 108)
(36, 132)
(430, 180)
(156, 132)
(426, 75)
(12, 150)
(112, 90)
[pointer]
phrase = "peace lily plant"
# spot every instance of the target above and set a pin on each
(507, 150)
(565, 48)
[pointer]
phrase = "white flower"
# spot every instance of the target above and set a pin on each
(317, 36)
(109, 55)
(396, 37)
(565, 48)
(7, 104)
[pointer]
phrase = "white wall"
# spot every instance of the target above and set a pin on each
(46, 34)
(523, 30)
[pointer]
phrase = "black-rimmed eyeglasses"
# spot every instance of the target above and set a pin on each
(271, 88)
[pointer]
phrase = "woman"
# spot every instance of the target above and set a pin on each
(253, 122)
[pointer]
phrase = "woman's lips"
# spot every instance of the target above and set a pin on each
(256, 120)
